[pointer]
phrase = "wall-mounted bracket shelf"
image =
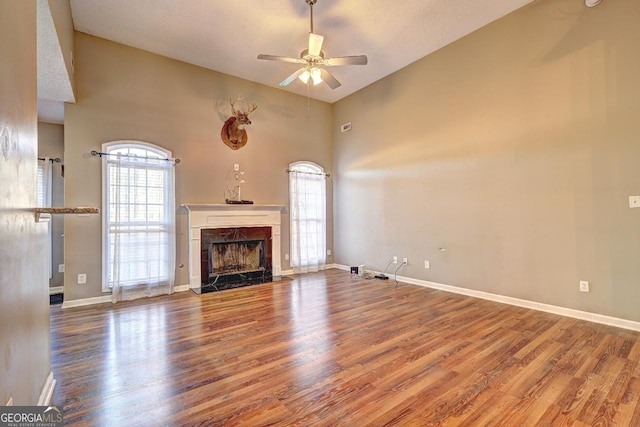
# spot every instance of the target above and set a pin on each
(44, 214)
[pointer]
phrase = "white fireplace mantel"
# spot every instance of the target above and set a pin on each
(203, 216)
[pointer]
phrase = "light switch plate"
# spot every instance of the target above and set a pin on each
(634, 201)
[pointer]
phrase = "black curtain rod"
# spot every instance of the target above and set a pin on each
(309, 173)
(95, 153)
(57, 159)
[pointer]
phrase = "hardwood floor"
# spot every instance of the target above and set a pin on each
(331, 349)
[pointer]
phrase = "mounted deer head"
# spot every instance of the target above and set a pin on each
(233, 131)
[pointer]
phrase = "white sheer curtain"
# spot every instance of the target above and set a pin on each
(44, 201)
(140, 228)
(307, 197)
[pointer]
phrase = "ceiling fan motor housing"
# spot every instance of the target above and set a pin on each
(311, 58)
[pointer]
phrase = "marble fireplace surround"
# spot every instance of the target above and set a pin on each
(203, 216)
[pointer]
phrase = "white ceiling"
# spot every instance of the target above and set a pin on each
(227, 36)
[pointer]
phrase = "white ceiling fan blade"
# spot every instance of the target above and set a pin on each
(282, 59)
(315, 44)
(346, 60)
(292, 77)
(328, 78)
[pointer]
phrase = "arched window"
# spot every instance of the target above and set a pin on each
(307, 198)
(138, 220)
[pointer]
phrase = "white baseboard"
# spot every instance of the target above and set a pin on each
(291, 272)
(107, 298)
(47, 391)
(86, 301)
(56, 290)
(562, 311)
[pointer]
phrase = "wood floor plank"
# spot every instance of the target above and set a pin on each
(335, 349)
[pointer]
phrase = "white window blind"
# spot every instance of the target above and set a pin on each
(40, 188)
(307, 197)
(139, 221)
(43, 200)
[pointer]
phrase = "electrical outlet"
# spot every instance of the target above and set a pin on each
(584, 286)
(60, 268)
(82, 279)
(427, 264)
(395, 259)
(404, 260)
(286, 257)
(236, 167)
(328, 252)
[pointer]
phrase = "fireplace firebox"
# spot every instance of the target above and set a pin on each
(235, 257)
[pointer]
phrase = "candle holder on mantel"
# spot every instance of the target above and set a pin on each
(232, 194)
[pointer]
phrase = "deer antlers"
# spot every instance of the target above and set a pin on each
(246, 112)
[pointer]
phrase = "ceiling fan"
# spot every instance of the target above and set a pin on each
(313, 58)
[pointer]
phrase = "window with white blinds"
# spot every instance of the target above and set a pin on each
(307, 198)
(43, 200)
(138, 216)
(40, 188)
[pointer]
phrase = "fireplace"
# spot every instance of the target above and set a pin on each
(232, 245)
(233, 257)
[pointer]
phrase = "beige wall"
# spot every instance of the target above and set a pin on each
(51, 144)
(124, 93)
(515, 150)
(24, 302)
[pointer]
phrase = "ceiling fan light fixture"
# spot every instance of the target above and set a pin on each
(312, 73)
(316, 76)
(304, 77)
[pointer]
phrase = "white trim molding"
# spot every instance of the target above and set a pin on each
(47, 391)
(107, 298)
(181, 288)
(328, 267)
(86, 301)
(548, 308)
(53, 290)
